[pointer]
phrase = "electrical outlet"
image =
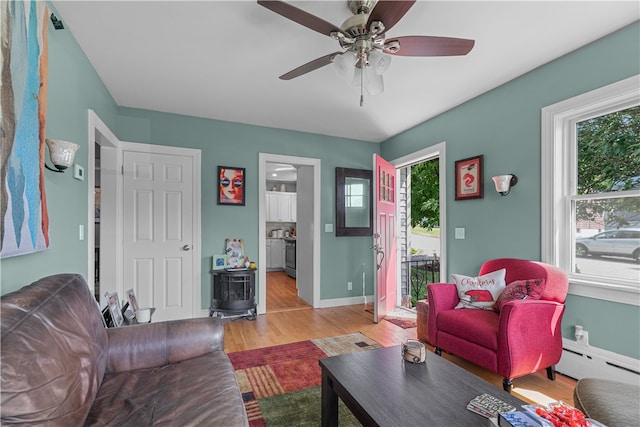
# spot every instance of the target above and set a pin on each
(583, 339)
(349, 286)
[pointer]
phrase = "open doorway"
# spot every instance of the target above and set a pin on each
(281, 226)
(421, 211)
(421, 249)
(298, 212)
(104, 183)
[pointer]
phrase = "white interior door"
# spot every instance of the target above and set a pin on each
(161, 230)
(304, 241)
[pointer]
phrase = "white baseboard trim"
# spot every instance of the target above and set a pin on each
(339, 302)
(325, 303)
(580, 361)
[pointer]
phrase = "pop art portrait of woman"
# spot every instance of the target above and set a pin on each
(231, 186)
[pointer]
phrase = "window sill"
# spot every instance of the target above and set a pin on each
(620, 293)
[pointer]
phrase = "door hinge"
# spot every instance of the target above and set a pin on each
(122, 170)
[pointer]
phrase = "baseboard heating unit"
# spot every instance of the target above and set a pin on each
(580, 361)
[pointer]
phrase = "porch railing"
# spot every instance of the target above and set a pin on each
(419, 271)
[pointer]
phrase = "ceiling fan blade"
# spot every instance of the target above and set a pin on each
(389, 12)
(300, 16)
(430, 46)
(310, 66)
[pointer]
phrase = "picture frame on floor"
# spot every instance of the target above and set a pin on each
(113, 302)
(133, 302)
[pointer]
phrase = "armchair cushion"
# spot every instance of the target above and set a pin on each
(479, 292)
(519, 290)
(557, 285)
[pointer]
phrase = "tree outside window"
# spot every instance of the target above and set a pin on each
(605, 207)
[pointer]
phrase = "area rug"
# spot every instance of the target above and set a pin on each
(402, 321)
(280, 385)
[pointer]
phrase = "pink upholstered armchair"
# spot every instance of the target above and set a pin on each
(524, 337)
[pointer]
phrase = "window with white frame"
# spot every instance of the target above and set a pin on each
(590, 191)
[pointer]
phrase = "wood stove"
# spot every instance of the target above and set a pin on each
(233, 293)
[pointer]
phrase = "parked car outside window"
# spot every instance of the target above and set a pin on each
(624, 242)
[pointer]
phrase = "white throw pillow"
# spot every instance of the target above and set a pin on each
(479, 292)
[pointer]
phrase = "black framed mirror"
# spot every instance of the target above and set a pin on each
(354, 202)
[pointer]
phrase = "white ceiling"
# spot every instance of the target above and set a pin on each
(221, 59)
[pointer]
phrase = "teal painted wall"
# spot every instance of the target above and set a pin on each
(238, 145)
(74, 87)
(504, 125)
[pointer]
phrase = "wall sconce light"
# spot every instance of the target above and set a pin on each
(504, 183)
(61, 153)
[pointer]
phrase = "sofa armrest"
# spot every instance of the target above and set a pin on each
(441, 297)
(529, 336)
(157, 344)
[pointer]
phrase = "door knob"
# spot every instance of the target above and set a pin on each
(186, 248)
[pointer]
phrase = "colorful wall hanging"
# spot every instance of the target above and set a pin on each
(24, 226)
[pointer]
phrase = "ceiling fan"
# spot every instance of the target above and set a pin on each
(363, 36)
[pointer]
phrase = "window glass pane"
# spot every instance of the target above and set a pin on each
(607, 242)
(609, 152)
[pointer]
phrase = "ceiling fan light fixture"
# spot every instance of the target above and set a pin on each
(379, 62)
(368, 80)
(344, 63)
(373, 82)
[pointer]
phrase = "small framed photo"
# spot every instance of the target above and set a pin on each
(469, 178)
(231, 186)
(219, 262)
(113, 303)
(133, 302)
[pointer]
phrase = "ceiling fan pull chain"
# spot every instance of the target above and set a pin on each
(361, 86)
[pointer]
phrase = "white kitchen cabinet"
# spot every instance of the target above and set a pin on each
(293, 206)
(281, 207)
(275, 253)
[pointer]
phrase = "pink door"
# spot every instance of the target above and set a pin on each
(384, 237)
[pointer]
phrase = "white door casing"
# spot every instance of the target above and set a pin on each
(161, 228)
(111, 211)
(437, 151)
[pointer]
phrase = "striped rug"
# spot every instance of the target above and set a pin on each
(276, 382)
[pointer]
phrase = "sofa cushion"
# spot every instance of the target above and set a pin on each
(476, 326)
(155, 396)
(53, 358)
(531, 289)
(479, 292)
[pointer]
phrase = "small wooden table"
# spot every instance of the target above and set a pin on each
(382, 389)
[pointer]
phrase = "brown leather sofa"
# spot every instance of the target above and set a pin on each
(61, 367)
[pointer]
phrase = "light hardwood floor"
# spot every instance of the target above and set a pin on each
(282, 294)
(295, 321)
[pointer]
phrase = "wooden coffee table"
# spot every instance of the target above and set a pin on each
(382, 389)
